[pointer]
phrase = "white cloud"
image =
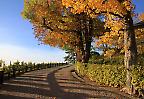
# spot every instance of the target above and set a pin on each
(14, 53)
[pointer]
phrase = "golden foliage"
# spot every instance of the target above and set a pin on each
(53, 24)
(98, 6)
(141, 17)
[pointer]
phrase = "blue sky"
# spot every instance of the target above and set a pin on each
(17, 41)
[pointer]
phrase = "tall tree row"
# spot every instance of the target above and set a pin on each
(113, 10)
(57, 26)
(74, 24)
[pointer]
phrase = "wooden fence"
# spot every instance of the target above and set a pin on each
(12, 71)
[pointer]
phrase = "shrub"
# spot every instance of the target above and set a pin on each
(81, 68)
(117, 60)
(6, 69)
(112, 75)
(138, 76)
(141, 59)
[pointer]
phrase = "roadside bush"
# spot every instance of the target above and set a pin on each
(138, 76)
(112, 75)
(81, 68)
(141, 59)
(6, 69)
(116, 60)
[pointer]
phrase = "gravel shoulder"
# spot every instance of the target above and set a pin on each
(55, 83)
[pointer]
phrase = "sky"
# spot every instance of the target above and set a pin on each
(17, 40)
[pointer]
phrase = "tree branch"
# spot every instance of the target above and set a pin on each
(139, 25)
(45, 25)
(104, 12)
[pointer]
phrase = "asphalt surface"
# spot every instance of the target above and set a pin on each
(55, 83)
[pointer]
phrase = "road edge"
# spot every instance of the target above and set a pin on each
(74, 74)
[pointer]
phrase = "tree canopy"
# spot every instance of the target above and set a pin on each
(54, 24)
(75, 24)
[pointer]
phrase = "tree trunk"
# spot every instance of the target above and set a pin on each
(130, 49)
(80, 49)
(87, 52)
(85, 37)
(78, 56)
(88, 39)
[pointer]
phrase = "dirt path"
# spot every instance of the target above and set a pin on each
(54, 83)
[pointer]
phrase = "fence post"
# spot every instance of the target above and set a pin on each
(14, 71)
(1, 77)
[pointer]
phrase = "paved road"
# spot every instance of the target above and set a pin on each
(54, 83)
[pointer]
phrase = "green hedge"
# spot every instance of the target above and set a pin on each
(138, 76)
(117, 60)
(111, 75)
(81, 69)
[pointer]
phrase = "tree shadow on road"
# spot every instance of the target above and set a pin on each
(12, 97)
(58, 91)
(54, 84)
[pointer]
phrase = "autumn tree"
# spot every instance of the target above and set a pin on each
(119, 12)
(56, 26)
(70, 57)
